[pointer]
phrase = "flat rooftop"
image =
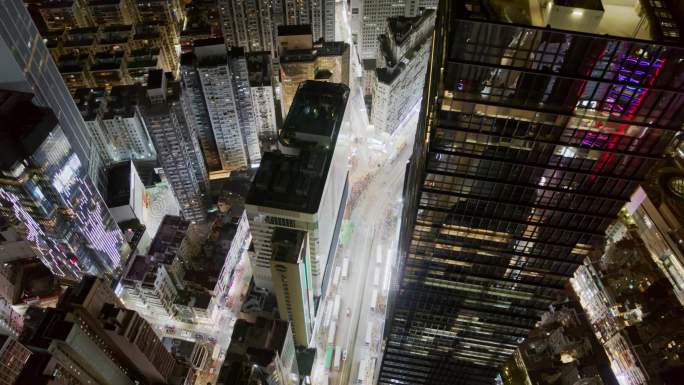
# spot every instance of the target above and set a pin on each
(296, 182)
(316, 112)
(602, 17)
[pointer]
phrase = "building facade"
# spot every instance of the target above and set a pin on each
(29, 68)
(178, 147)
(224, 85)
(399, 76)
(196, 112)
(301, 59)
(656, 209)
(263, 97)
(305, 185)
(525, 152)
(247, 24)
(48, 196)
(292, 282)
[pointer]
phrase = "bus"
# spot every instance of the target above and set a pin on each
(336, 276)
(378, 255)
(374, 300)
(338, 358)
(327, 314)
(336, 307)
(331, 333)
(371, 368)
(369, 331)
(328, 357)
(345, 268)
(362, 372)
(376, 277)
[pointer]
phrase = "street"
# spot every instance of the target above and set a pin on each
(377, 167)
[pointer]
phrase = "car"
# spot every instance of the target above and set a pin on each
(348, 311)
(344, 355)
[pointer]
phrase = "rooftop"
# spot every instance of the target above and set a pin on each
(88, 101)
(295, 182)
(169, 237)
(602, 17)
(264, 334)
(259, 67)
(122, 101)
(401, 27)
(287, 244)
(316, 113)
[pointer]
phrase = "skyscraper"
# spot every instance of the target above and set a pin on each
(292, 282)
(224, 90)
(301, 58)
(47, 195)
(400, 69)
(374, 13)
(90, 338)
(247, 24)
(535, 130)
(177, 145)
(27, 67)
(320, 14)
(263, 98)
(305, 185)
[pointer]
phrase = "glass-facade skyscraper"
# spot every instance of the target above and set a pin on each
(537, 125)
(46, 194)
(26, 66)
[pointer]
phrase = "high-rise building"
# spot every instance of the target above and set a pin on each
(374, 14)
(28, 67)
(656, 209)
(224, 86)
(263, 98)
(90, 338)
(46, 194)
(115, 123)
(252, 24)
(305, 185)
(128, 38)
(401, 62)
(319, 14)
(292, 282)
(301, 59)
(368, 20)
(535, 129)
(168, 287)
(203, 22)
(60, 15)
(195, 107)
(247, 24)
(261, 352)
(177, 145)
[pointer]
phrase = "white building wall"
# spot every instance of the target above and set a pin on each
(218, 94)
(128, 138)
(393, 101)
(245, 109)
(264, 110)
(374, 14)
